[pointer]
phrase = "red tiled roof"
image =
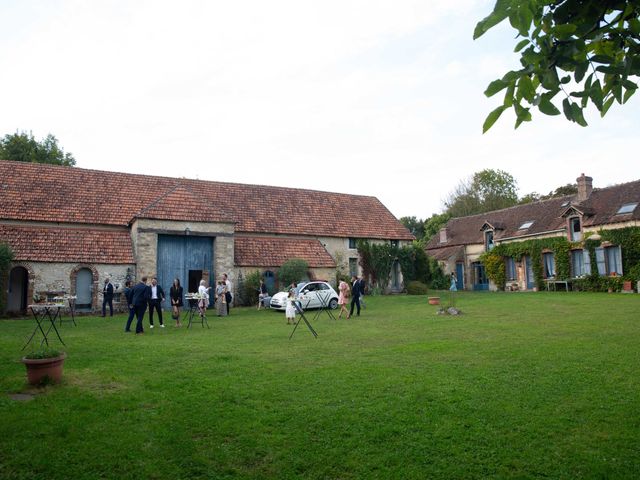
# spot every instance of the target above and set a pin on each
(55, 244)
(181, 204)
(274, 251)
(31, 191)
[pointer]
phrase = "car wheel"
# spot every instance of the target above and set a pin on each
(333, 304)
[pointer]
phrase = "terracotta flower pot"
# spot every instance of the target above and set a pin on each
(434, 300)
(38, 369)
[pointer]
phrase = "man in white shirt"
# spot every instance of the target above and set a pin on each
(155, 302)
(228, 295)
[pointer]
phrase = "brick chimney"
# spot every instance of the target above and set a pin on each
(585, 186)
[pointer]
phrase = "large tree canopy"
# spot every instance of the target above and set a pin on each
(485, 191)
(22, 147)
(574, 51)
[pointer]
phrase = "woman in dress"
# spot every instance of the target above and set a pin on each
(290, 311)
(221, 299)
(203, 293)
(262, 293)
(343, 294)
(175, 294)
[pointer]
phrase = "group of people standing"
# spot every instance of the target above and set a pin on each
(142, 296)
(356, 291)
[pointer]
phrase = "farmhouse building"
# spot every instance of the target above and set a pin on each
(70, 228)
(567, 239)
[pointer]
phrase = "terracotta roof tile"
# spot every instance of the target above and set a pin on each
(274, 251)
(53, 244)
(41, 192)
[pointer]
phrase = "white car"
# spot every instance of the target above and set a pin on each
(309, 295)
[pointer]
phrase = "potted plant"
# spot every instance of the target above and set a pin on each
(44, 365)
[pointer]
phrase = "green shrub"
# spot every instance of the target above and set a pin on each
(250, 287)
(416, 288)
(44, 352)
(293, 270)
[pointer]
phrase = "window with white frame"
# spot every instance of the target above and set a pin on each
(580, 263)
(609, 260)
(511, 269)
(353, 267)
(549, 265)
(575, 229)
(488, 240)
(627, 208)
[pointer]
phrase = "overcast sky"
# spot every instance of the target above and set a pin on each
(380, 98)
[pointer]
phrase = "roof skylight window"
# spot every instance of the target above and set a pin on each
(526, 225)
(564, 204)
(627, 208)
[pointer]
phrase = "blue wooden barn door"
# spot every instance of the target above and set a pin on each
(460, 276)
(184, 257)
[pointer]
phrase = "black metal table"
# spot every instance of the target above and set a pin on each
(72, 308)
(42, 312)
(194, 310)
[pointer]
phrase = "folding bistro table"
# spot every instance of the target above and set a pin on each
(41, 313)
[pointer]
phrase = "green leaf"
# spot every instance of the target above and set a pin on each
(628, 94)
(494, 87)
(524, 115)
(581, 70)
(607, 106)
(577, 114)
(525, 89)
(564, 31)
(617, 92)
(547, 107)
(566, 108)
(521, 44)
(596, 94)
(492, 117)
(508, 96)
(500, 12)
(602, 59)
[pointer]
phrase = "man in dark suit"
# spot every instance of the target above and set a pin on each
(356, 291)
(139, 299)
(128, 294)
(107, 297)
(155, 301)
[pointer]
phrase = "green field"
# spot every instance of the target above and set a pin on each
(525, 385)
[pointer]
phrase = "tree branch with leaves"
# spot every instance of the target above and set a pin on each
(573, 52)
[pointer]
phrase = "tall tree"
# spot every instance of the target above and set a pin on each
(414, 225)
(584, 51)
(568, 189)
(434, 223)
(485, 191)
(23, 147)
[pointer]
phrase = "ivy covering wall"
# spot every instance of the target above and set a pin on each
(377, 259)
(627, 238)
(6, 257)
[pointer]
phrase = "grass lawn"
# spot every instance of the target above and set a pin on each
(524, 385)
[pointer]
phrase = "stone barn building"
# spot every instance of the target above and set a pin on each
(70, 228)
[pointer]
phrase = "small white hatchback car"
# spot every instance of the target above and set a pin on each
(309, 295)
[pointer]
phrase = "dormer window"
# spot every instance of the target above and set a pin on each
(488, 240)
(575, 229)
(627, 208)
(526, 225)
(443, 235)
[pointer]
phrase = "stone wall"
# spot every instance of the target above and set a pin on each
(48, 278)
(144, 233)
